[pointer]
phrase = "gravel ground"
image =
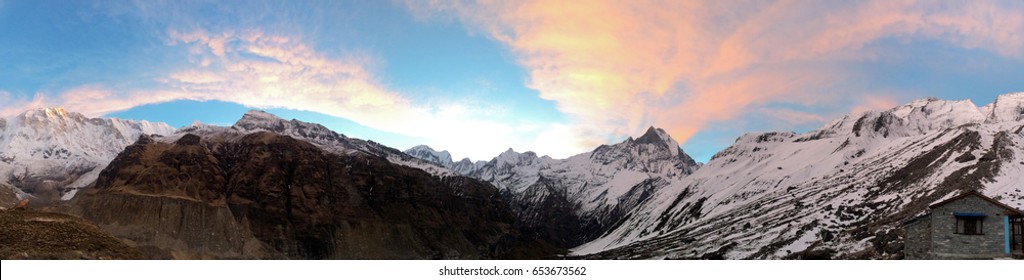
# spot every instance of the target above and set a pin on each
(43, 235)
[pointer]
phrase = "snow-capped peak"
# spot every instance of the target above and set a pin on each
(199, 127)
(925, 115)
(329, 140)
(257, 120)
(53, 114)
(511, 156)
(1007, 107)
(933, 108)
(56, 111)
(260, 115)
(509, 152)
(660, 137)
(54, 145)
(649, 153)
(426, 153)
(444, 159)
(50, 112)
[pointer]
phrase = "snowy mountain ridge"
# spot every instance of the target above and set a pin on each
(574, 199)
(444, 159)
(426, 153)
(841, 190)
(58, 152)
(598, 176)
(256, 121)
(50, 151)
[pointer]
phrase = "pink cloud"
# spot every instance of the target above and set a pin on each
(790, 118)
(874, 103)
(96, 100)
(623, 65)
(13, 105)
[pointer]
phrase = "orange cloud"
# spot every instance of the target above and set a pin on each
(623, 65)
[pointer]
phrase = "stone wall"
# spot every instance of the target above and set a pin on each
(947, 244)
(919, 235)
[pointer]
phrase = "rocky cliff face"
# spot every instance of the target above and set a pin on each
(266, 195)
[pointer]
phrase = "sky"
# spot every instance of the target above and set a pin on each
(479, 77)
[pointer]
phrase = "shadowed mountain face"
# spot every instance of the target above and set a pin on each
(270, 196)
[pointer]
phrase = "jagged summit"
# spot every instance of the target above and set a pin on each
(254, 119)
(1007, 107)
(257, 121)
(923, 116)
(426, 153)
(653, 135)
(592, 189)
(658, 136)
(47, 111)
(50, 114)
(444, 159)
(259, 114)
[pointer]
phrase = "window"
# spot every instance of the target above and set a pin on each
(969, 225)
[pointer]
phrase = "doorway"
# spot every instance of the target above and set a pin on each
(1017, 235)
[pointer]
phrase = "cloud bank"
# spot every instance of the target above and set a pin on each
(255, 69)
(612, 67)
(689, 64)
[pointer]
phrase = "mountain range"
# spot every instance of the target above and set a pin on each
(587, 193)
(266, 187)
(840, 191)
(53, 153)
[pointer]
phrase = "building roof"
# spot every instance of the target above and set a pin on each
(916, 219)
(1009, 210)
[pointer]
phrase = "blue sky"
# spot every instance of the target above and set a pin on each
(477, 78)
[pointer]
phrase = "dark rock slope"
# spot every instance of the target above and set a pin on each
(270, 196)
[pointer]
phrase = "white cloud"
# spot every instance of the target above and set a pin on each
(264, 71)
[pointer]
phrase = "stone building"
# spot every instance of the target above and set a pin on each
(967, 226)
